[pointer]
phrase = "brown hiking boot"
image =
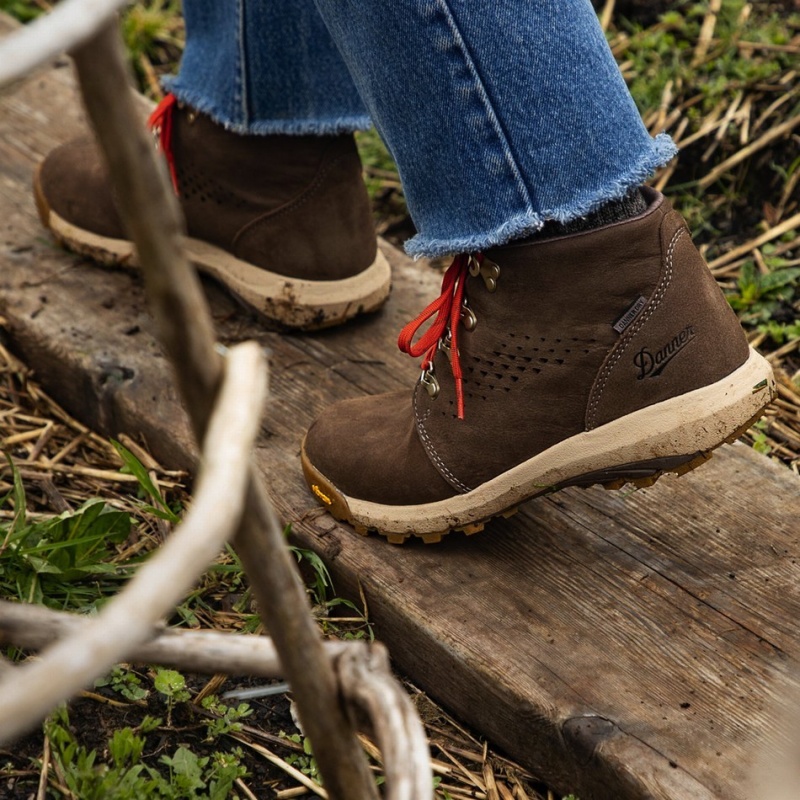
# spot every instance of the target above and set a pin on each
(608, 356)
(283, 222)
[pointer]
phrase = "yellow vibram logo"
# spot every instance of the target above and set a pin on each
(319, 493)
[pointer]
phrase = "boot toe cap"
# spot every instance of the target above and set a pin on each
(368, 449)
(73, 183)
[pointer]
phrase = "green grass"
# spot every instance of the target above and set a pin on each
(66, 561)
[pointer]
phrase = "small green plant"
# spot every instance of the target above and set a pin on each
(190, 773)
(171, 685)
(128, 777)
(304, 761)
(759, 298)
(147, 24)
(322, 593)
(226, 719)
(132, 466)
(758, 433)
(125, 683)
(321, 582)
(153, 33)
(23, 10)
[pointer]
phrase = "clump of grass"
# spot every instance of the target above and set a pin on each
(65, 561)
(23, 10)
(154, 36)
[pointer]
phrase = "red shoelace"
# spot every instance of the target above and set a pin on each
(160, 122)
(447, 308)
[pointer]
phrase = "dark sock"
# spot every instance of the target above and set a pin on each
(627, 207)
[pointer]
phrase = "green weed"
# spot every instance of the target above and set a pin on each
(758, 434)
(665, 52)
(321, 589)
(125, 683)
(146, 25)
(304, 761)
(23, 10)
(66, 561)
(766, 299)
(132, 466)
(127, 777)
(225, 719)
(171, 685)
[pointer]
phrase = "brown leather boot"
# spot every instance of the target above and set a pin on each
(284, 222)
(608, 356)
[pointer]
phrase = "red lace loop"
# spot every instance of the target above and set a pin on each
(447, 308)
(160, 122)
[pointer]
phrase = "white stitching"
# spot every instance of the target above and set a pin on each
(431, 450)
(634, 329)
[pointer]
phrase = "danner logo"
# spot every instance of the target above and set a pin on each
(652, 364)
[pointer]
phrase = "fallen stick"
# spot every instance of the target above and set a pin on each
(773, 233)
(208, 652)
(770, 136)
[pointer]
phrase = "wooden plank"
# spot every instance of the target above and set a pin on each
(621, 645)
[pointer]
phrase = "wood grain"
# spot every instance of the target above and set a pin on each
(621, 645)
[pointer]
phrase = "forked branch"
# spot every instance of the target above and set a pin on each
(31, 691)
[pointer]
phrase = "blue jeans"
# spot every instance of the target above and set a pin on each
(500, 115)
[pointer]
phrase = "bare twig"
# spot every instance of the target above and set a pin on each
(718, 264)
(40, 793)
(34, 627)
(275, 759)
(68, 25)
(770, 136)
(367, 682)
(606, 14)
(706, 32)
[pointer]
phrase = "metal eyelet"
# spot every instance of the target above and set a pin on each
(428, 380)
(488, 270)
(445, 342)
(468, 318)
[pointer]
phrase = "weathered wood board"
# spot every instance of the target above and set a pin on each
(621, 645)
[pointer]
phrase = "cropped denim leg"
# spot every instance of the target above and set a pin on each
(266, 66)
(500, 115)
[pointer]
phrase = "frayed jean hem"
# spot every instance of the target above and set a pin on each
(662, 151)
(288, 127)
(421, 246)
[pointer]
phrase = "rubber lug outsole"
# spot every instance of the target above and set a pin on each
(645, 476)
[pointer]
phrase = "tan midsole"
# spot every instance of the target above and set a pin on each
(245, 278)
(694, 422)
(252, 283)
